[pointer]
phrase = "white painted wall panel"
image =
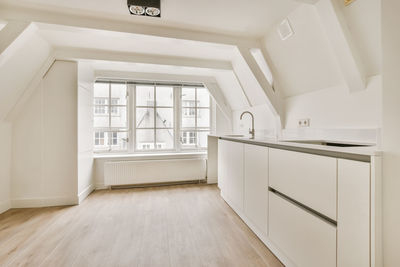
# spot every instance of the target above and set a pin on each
(44, 167)
(85, 130)
(5, 165)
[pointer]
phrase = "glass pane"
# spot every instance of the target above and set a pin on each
(118, 94)
(100, 141)
(144, 95)
(188, 138)
(119, 117)
(101, 90)
(188, 97)
(145, 117)
(203, 118)
(165, 139)
(165, 96)
(203, 97)
(202, 138)
(188, 117)
(165, 118)
(100, 117)
(119, 140)
(144, 139)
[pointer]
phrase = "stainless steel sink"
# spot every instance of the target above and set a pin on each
(234, 135)
(330, 143)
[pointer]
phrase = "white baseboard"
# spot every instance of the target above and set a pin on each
(43, 202)
(4, 206)
(212, 180)
(101, 187)
(85, 193)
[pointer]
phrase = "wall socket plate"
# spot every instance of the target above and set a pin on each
(304, 123)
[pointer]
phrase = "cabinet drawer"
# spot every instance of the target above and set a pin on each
(307, 178)
(302, 236)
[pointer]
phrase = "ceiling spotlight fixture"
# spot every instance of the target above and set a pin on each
(150, 8)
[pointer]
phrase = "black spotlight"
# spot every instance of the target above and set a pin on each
(150, 8)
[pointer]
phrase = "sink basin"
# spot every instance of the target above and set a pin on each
(329, 143)
(234, 135)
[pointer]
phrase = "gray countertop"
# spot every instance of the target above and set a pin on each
(361, 153)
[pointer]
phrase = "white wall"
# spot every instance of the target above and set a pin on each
(44, 161)
(335, 107)
(85, 130)
(391, 132)
(264, 121)
(5, 165)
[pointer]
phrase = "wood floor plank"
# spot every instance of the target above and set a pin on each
(188, 226)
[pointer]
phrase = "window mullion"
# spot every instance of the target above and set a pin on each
(155, 116)
(109, 133)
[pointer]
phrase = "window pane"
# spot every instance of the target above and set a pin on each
(119, 117)
(119, 141)
(203, 118)
(144, 95)
(188, 138)
(202, 138)
(100, 118)
(188, 95)
(165, 139)
(188, 117)
(203, 97)
(144, 139)
(165, 118)
(100, 141)
(165, 96)
(101, 90)
(145, 117)
(118, 94)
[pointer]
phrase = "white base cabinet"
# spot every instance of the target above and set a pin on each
(304, 238)
(230, 160)
(256, 185)
(319, 211)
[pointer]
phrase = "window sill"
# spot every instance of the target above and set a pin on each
(152, 156)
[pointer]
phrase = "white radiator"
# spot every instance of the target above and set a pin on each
(154, 171)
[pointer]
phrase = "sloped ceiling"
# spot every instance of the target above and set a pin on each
(247, 18)
(304, 62)
(363, 21)
(19, 69)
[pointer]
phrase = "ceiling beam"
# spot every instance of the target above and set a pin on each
(347, 55)
(77, 18)
(273, 100)
(12, 36)
(104, 55)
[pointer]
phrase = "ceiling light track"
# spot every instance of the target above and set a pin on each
(151, 8)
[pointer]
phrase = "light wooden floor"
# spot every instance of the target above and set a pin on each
(166, 226)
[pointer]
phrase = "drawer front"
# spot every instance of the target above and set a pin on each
(307, 178)
(303, 237)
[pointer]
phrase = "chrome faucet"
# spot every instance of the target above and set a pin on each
(251, 131)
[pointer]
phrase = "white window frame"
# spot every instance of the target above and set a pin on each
(108, 112)
(177, 129)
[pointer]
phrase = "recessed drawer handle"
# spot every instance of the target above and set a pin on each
(303, 207)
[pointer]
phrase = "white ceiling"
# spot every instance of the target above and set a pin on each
(239, 17)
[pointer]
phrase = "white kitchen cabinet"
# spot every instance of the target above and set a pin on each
(306, 239)
(256, 185)
(353, 213)
(230, 161)
(223, 165)
(235, 175)
(307, 178)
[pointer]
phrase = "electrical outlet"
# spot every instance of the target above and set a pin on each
(304, 123)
